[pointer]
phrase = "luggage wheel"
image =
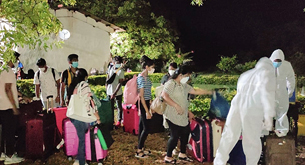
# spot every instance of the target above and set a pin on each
(134, 131)
(70, 158)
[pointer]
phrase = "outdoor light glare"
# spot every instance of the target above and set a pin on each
(64, 34)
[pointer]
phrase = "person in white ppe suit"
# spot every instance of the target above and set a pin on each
(285, 84)
(252, 110)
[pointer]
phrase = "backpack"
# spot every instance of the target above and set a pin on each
(130, 93)
(53, 72)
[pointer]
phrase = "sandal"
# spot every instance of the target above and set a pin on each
(140, 155)
(147, 152)
(187, 159)
(174, 161)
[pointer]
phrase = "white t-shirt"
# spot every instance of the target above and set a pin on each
(47, 83)
(7, 77)
(112, 87)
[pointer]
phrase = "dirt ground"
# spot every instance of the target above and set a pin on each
(123, 150)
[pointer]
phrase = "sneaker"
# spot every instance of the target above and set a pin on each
(3, 156)
(13, 160)
(175, 151)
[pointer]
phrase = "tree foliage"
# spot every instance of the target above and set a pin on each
(27, 23)
(145, 33)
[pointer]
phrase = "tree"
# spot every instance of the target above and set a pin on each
(197, 2)
(27, 23)
(145, 32)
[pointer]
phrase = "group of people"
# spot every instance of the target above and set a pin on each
(261, 96)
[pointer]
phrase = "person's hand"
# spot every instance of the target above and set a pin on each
(191, 116)
(148, 115)
(179, 109)
(112, 96)
(16, 111)
(36, 98)
(268, 123)
(98, 121)
(57, 99)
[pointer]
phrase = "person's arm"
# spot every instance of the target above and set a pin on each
(57, 100)
(200, 92)
(169, 88)
(37, 90)
(62, 89)
(9, 94)
(290, 81)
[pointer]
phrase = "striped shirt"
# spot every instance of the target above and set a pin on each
(144, 82)
(178, 93)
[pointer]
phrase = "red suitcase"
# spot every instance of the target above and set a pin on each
(42, 136)
(131, 119)
(60, 114)
(70, 138)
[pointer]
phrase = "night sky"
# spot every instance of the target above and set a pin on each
(249, 28)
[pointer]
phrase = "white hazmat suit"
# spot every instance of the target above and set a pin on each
(285, 84)
(252, 109)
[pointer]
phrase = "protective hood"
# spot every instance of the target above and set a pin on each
(277, 54)
(265, 63)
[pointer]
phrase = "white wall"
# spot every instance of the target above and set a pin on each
(92, 44)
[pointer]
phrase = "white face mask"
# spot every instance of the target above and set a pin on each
(151, 71)
(184, 80)
(171, 72)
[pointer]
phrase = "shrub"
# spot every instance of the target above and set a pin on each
(26, 87)
(227, 64)
(240, 68)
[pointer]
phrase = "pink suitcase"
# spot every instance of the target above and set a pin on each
(60, 114)
(70, 138)
(93, 147)
(131, 119)
(201, 143)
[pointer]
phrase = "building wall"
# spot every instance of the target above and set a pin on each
(91, 43)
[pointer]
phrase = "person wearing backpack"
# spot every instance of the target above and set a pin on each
(114, 89)
(67, 77)
(144, 90)
(46, 81)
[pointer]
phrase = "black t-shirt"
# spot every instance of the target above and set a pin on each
(64, 77)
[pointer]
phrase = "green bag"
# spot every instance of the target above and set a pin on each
(102, 140)
(105, 111)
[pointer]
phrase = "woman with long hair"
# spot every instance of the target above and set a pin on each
(176, 114)
(144, 89)
(81, 127)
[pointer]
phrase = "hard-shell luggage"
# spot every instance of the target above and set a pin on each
(280, 150)
(60, 114)
(93, 147)
(42, 136)
(217, 131)
(70, 138)
(29, 110)
(131, 119)
(201, 141)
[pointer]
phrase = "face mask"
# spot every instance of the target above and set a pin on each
(171, 72)
(151, 71)
(86, 81)
(74, 64)
(184, 80)
(41, 69)
(277, 64)
(117, 65)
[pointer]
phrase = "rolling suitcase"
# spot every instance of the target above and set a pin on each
(280, 150)
(217, 131)
(131, 119)
(70, 138)
(201, 141)
(60, 114)
(42, 136)
(93, 147)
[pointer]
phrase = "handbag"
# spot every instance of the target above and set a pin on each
(79, 107)
(158, 105)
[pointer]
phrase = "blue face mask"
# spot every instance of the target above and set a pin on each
(117, 65)
(277, 64)
(74, 64)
